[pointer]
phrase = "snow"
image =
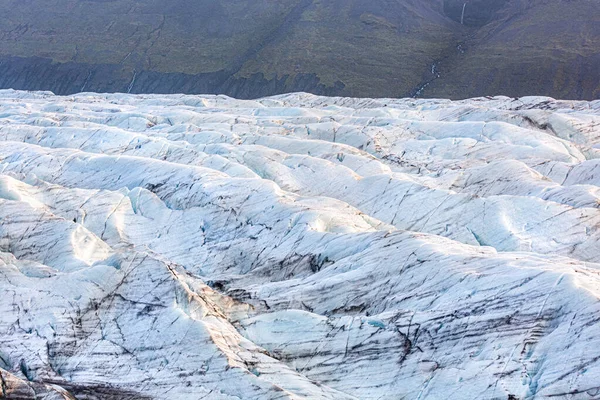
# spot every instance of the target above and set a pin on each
(190, 247)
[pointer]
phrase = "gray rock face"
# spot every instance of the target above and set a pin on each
(202, 247)
(72, 77)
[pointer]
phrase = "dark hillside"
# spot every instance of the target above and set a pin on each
(252, 48)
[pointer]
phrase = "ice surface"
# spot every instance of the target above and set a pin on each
(202, 247)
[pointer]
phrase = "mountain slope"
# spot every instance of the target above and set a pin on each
(550, 47)
(250, 49)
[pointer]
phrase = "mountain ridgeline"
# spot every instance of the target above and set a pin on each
(253, 48)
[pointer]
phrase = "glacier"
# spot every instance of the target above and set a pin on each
(298, 247)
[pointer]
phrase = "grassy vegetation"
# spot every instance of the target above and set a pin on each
(377, 48)
(540, 47)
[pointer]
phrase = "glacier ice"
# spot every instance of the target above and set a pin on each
(202, 247)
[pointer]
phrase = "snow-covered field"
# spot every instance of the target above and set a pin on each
(201, 247)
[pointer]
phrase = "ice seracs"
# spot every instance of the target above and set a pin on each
(190, 247)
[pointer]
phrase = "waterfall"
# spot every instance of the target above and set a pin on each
(132, 81)
(89, 75)
(462, 16)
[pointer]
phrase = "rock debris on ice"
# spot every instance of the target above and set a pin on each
(201, 247)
